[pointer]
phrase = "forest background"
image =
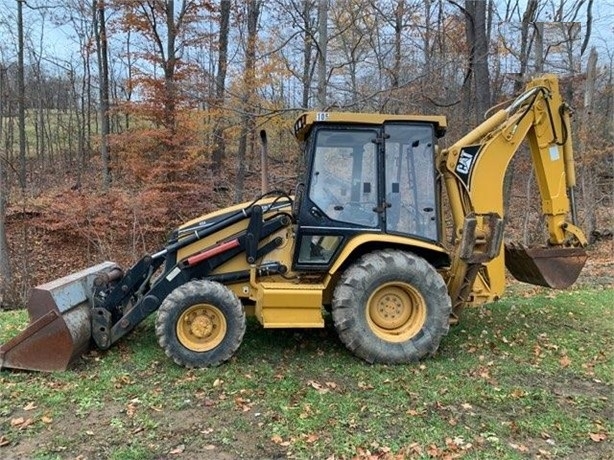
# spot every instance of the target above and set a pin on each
(120, 119)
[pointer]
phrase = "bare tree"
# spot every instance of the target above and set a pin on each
(219, 148)
(5, 259)
(21, 97)
(248, 121)
(477, 77)
(307, 52)
(528, 18)
(322, 52)
(100, 32)
(298, 36)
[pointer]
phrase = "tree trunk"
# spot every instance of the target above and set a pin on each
(100, 30)
(5, 264)
(539, 47)
(589, 176)
(399, 13)
(169, 69)
(247, 118)
(528, 18)
(322, 50)
(477, 37)
(21, 98)
(307, 50)
(219, 148)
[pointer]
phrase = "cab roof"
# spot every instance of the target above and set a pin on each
(306, 120)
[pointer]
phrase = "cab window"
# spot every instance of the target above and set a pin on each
(410, 180)
(344, 176)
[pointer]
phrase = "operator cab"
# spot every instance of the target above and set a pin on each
(365, 174)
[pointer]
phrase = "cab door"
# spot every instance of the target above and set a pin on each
(410, 180)
(341, 195)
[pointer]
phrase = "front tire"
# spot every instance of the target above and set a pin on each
(200, 324)
(391, 307)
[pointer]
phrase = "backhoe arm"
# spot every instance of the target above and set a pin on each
(474, 170)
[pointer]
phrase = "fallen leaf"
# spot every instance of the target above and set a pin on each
(318, 387)
(178, 450)
(518, 393)
(30, 406)
(277, 439)
(565, 361)
(466, 406)
(131, 409)
(26, 424)
(414, 448)
(598, 437)
(217, 382)
(17, 421)
(433, 451)
(519, 447)
(4, 441)
(46, 420)
(244, 404)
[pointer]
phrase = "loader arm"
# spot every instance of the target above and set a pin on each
(474, 170)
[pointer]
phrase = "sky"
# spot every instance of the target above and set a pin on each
(60, 45)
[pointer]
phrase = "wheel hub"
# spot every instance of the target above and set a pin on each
(396, 312)
(391, 308)
(201, 327)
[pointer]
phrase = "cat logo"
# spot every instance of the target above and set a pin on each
(466, 162)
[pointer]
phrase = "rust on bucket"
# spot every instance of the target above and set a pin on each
(59, 330)
(553, 267)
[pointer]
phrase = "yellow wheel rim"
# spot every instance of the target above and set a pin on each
(201, 327)
(396, 312)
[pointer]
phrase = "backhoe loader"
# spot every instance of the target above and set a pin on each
(363, 238)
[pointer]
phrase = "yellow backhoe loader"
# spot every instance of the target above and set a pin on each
(363, 239)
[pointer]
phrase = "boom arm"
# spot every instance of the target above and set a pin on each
(474, 170)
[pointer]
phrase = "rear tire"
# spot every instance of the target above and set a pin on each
(200, 324)
(391, 307)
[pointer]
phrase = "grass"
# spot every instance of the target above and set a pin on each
(528, 377)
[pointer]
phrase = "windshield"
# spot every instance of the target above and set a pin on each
(344, 176)
(400, 197)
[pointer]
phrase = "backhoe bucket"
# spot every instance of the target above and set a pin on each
(556, 268)
(60, 324)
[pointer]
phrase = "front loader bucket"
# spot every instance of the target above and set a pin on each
(60, 324)
(557, 267)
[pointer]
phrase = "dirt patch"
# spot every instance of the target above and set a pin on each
(188, 433)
